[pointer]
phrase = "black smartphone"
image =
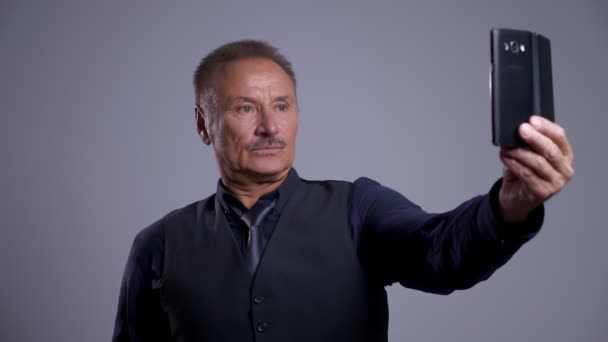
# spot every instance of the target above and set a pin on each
(521, 82)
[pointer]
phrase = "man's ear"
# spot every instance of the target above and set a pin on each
(201, 128)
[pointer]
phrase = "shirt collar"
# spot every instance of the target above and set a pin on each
(229, 201)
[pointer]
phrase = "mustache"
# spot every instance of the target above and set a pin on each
(267, 142)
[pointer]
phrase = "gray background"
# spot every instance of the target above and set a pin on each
(98, 140)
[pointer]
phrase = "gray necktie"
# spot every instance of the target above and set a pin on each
(256, 241)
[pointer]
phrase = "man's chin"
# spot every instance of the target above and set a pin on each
(270, 170)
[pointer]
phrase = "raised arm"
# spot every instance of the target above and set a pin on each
(434, 252)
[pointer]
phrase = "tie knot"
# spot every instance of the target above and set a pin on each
(258, 211)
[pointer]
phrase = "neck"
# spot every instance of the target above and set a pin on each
(248, 189)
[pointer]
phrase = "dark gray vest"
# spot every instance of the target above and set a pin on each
(309, 285)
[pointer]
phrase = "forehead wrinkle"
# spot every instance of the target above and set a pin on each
(260, 86)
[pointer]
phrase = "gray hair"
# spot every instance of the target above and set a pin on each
(233, 51)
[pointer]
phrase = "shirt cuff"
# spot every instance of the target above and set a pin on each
(509, 234)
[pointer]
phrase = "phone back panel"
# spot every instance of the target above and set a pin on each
(521, 82)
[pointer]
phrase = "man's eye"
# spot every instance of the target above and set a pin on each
(282, 107)
(245, 109)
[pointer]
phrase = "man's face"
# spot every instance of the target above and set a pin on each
(254, 127)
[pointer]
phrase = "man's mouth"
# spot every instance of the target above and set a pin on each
(267, 147)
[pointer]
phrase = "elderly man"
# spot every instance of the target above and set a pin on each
(273, 257)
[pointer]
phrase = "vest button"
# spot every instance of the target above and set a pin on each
(263, 326)
(258, 299)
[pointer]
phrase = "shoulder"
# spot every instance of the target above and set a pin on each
(149, 242)
(363, 188)
(188, 213)
(369, 190)
(328, 188)
(369, 197)
(327, 183)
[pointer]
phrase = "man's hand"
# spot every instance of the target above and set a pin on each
(533, 174)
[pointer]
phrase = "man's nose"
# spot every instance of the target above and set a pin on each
(268, 124)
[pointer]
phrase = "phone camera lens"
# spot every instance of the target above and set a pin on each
(514, 47)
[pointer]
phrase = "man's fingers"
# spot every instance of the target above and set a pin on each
(537, 186)
(546, 147)
(535, 162)
(555, 132)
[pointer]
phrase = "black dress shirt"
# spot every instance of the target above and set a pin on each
(234, 209)
(431, 252)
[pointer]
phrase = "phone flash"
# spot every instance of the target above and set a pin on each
(522, 48)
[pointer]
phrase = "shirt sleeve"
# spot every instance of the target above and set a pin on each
(139, 316)
(433, 252)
